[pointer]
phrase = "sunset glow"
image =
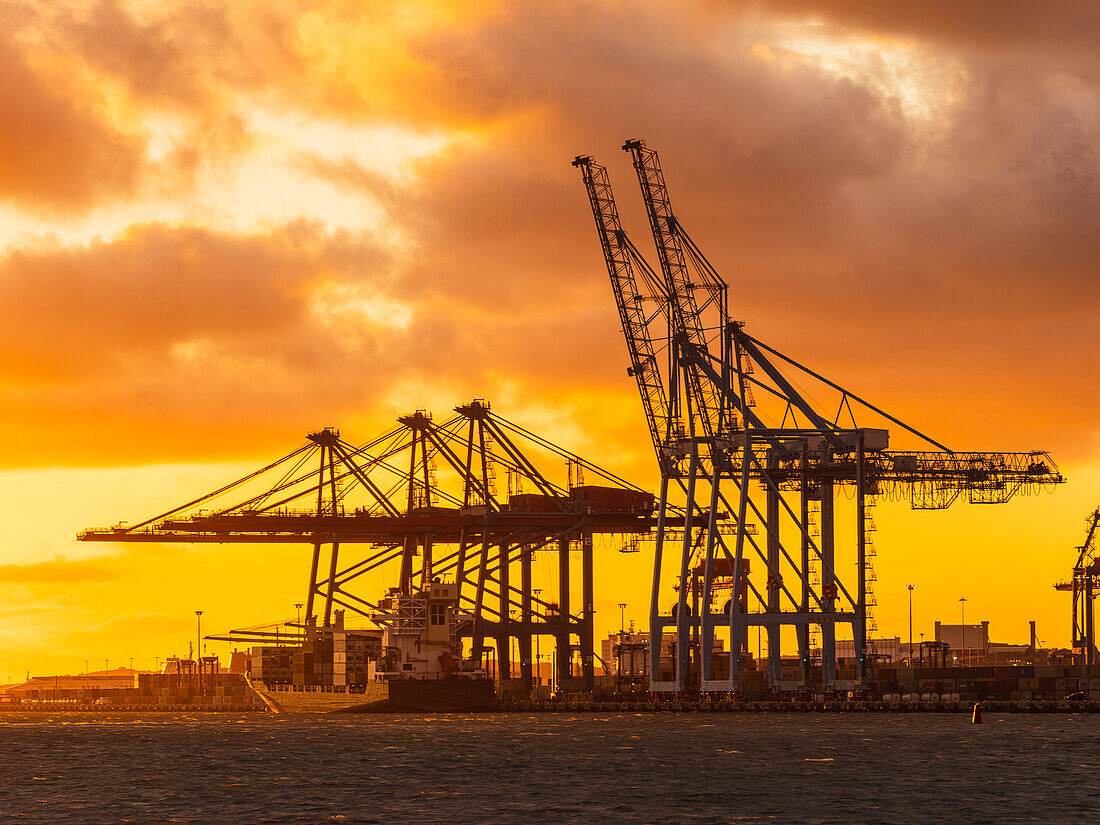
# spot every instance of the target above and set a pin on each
(226, 224)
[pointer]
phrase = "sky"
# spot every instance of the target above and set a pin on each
(224, 224)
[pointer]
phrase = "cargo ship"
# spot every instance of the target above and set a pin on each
(416, 666)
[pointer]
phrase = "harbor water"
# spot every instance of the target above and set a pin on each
(557, 768)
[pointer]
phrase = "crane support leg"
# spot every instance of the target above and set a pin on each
(859, 624)
(525, 633)
(737, 608)
(1090, 639)
(504, 634)
(656, 626)
(803, 630)
(828, 584)
(331, 581)
(774, 653)
(479, 601)
(564, 654)
(460, 567)
(407, 565)
(706, 614)
(426, 564)
(312, 582)
(683, 617)
(587, 633)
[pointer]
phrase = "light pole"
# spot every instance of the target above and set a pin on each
(538, 652)
(962, 607)
(622, 629)
(511, 646)
(910, 624)
(299, 622)
(198, 650)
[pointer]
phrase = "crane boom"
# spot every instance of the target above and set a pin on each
(621, 260)
(1090, 534)
(686, 322)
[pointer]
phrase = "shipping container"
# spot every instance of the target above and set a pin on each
(594, 499)
(532, 503)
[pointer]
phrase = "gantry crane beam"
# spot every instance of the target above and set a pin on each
(448, 527)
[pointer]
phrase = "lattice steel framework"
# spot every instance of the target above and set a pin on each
(1083, 585)
(746, 445)
(422, 499)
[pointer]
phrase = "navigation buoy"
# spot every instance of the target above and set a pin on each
(976, 719)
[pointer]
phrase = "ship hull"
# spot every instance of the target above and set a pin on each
(431, 696)
(450, 695)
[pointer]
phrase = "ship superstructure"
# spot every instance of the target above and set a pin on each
(421, 637)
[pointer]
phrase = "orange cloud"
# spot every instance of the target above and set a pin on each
(61, 570)
(892, 253)
(173, 324)
(56, 155)
(1007, 24)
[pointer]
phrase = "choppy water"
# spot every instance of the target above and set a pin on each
(582, 768)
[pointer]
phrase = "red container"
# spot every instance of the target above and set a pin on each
(532, 503)
(612, 500)
(723, 567)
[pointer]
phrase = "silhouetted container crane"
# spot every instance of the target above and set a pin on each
(1083, 585)
(421, 500)
(738, 434)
